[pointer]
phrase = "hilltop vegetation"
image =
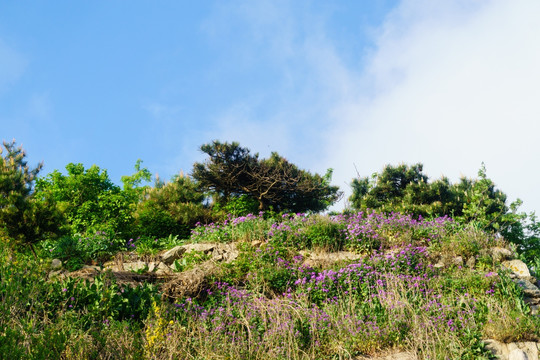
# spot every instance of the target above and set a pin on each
(412, 266)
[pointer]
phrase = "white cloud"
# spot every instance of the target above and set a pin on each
(451, 85)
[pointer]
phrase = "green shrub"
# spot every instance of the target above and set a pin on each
(76, 250)
(172, 208)
(88, 199)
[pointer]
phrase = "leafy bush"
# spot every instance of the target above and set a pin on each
(101, 300)
(88, 199)
(77, 250)
(189, 260)
(172, 208)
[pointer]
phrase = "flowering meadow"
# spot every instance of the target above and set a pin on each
(424, 286)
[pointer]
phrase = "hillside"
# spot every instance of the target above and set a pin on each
(351, 286)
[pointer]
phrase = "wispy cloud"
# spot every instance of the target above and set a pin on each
(288, 111)
(452, 86)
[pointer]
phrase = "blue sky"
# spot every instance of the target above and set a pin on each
(351, 85)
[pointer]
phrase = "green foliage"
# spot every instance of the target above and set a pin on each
(404, 189)
(101, 300)
(269, 269)
(476, 202)
(483, 205)
(147, 245)
(189, 260)
(172, 208)
(274, 183)
(76, 250)
(236, 206)
(88, 199)
(23, 217)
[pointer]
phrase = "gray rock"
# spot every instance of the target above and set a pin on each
(173, 254)
(471, 262)
(163, 269)
(529, 289)
(136, 266)
(517, 267)
(56, 264)
(202, 247)
(529, 348)
(497, 348)
(439, 265)
(500, 254)
(458, 261)
(517, 354)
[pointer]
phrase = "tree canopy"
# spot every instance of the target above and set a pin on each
(22, 216)
(407, 189)
(88, 199)
(274, 183)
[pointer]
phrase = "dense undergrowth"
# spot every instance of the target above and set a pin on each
(271, 303)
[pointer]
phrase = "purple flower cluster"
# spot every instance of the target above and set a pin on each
(373, 230)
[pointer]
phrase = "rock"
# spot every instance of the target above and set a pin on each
(225, 252)
(136, 266)
(91, 267)
(439, 265)
(162, 269)
(173, 254)
(152, 266)
(202, 247)
(517, 267)
(497, 348)
(56, 264)
(231, 256)
(109, 264)
(499, 254)
(256, 243)
(529, 289)
(400, 356)
(529, 348)
(517, 354)
(471, 262)
(458, 261)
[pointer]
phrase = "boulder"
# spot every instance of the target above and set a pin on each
(152, 266)
(517, 267)
(529, 348)
(458, 261)
(517, 354)
(499, 254)
(202, 247)
(497, 348)
(135, 266)
(175, 253)
(529, 289)
(162, 269)
(56, 264)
